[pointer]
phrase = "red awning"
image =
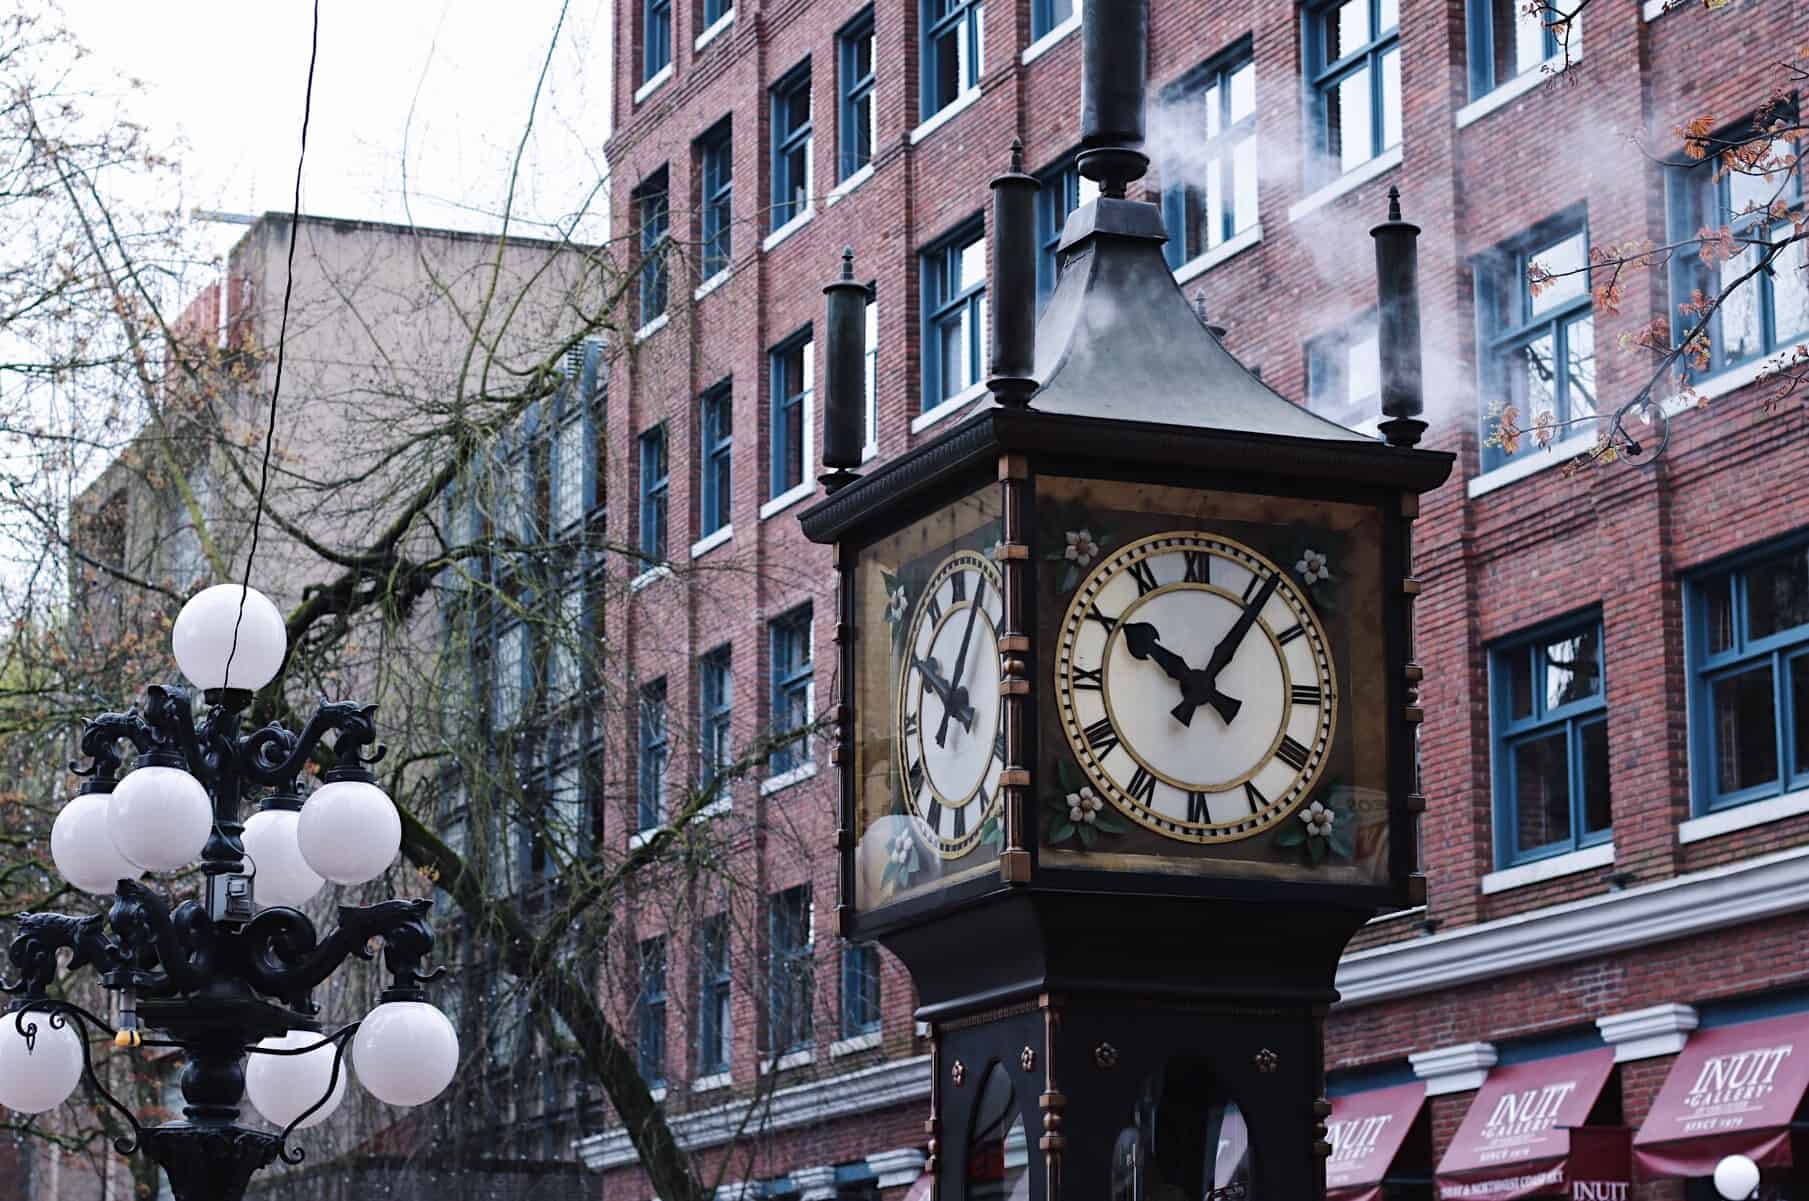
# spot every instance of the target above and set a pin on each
(1366, 1131)
(1732, 1089)
(1514, 1141)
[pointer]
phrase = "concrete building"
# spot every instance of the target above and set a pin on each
(1617, 841)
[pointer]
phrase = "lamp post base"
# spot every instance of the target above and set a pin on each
(210, 1163)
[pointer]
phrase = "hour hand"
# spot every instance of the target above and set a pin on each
(945, 692)
(1197, 688)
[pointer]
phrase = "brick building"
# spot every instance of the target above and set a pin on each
(1617, 840)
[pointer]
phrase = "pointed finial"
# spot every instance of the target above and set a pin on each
(1394, 203)
(847, 263)
(1017, 156)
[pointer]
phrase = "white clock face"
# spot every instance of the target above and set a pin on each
(1196, 687)
(950, 740)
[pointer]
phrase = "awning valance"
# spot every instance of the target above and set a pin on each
(1515, 1140)
(1732, 1089)
(1366, 1130)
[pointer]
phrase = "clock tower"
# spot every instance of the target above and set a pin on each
(1127, 707)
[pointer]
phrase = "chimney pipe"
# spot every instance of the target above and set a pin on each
(1013, 304)
(845, 377)
(1398, 325)
(1114, 72)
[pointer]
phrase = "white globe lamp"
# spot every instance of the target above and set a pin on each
(39, 1072)
(1736, 1177)
(406, 1052)
(349, 831)
(83, 850)
(283, 1087)
(204, 638)
(283, 877)
(159, 816)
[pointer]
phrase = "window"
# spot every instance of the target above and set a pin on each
(653, 496)
(652, 212)
(857, 123)
(716, 10)
(650, 1012)
(1540, 354)
(1210, 173)
(860, 989)
(1344, 373)
(1354, 64)
(656, 37)
(655, 752)
(572, 464)
(1047, 14)
(509, 676)
(1507, 41)
(793, 690)
(789, 1021)
(953, 34)
(870, 344)
(1767, 312)
(954, 299)
(717, 434)
(716, 186)
(1551, 743)
(792, 383)
(717, 692)
(1749, 698)
(791, 145)
(715, 1028)
(1064, 190)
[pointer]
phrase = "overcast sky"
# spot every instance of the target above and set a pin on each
(441, 86)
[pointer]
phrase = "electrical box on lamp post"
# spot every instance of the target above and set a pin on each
(1127, 707)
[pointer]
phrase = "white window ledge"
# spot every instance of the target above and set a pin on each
(848, 1046)
(1052, 39)
(848, 185)
(1456, 1069)
(1731, 380)
(653, 85)
(652, 327)
(705, 1084)
(716, 808)
(789, 228)
(650, 576)
(1356, 177)
(710, 285)
(1541, 870)
(641, 838)
(709, 35)
(1650, 1032)
(1655, 9)
(658, 1092)
(947, 408)
(1531, 461)
(869, 452)
(1744, 817)
(1196, 267)
(1515, 88)
(711, 541)
(792, 1059)
(786, 779)
(788, 498)
(950, 111)
(921, 1029)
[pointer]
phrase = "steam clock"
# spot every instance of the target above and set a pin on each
(1127, 708)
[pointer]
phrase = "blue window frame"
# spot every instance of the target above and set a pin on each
(1064, 190)
(793, 686)
(1550, 716)
(954, 34)
(1209, 193)
(792, 381)
(655, 752)
(654, 483)
(791, 145)
(954, 314)
(856, 123)
(715, 1021)
(1749, 677)
(653, 212)
(716, 438)
(1506, 41)
(1353, 52)
(716, 10)
(1047, 14)
(715, 714)
(650, 1011)
(1344, 373)
(656, 37)
(1539, 341)
(1767, 313)
(860, 989)
(790, 1020)
(716, 191)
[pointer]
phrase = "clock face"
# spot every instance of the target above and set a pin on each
(951, 744)
(1196, 686)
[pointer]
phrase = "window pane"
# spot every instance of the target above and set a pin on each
(1565, 261)
(1243, 184)
(951, 334)
(1598, 814)
(1530, 383)
(1789, 289)
(1718, 613)
(1243, 92)
(1519, 668)
(1748, 193)
(1541, 791)
(1348, 136)
(1211, 102)
(797, 109)
(1746, 750)
(1529, 36)
(1579, 348)
(1777, 595)
(1391, 99)
(972, 269)
(1390, 15)
(1741, 337)
(1347, 29)
(1572, 668)
(1214, 217)
(1365, 369)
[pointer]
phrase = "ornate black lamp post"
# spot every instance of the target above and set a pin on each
(222, 979)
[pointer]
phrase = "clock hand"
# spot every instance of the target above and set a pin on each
(960, 693)
(932, 674)
(1141, 639)
(1206, 679)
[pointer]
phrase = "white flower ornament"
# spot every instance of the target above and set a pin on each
(1083, 806)
(997, 553)
(1318, 820)
(1082, 550)
(1312, 567)
(895, 608)
(900, 850)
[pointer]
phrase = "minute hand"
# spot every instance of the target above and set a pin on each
(1208, 676)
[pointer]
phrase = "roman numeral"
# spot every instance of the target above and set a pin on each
(1307, 694)
(960, 816)
(998, 747)
(1258, 802)
(914, 777)
(910, 725)
(1288, 635)
(1143, 786)
(1254, 586)
(1199, 567)
(1145, 577)
(933, 815)
(1102, 737)
(1292, 753)
(957, 587)
(1088, 677)
(935, 608)
(1093, 614)
(1196, 807)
